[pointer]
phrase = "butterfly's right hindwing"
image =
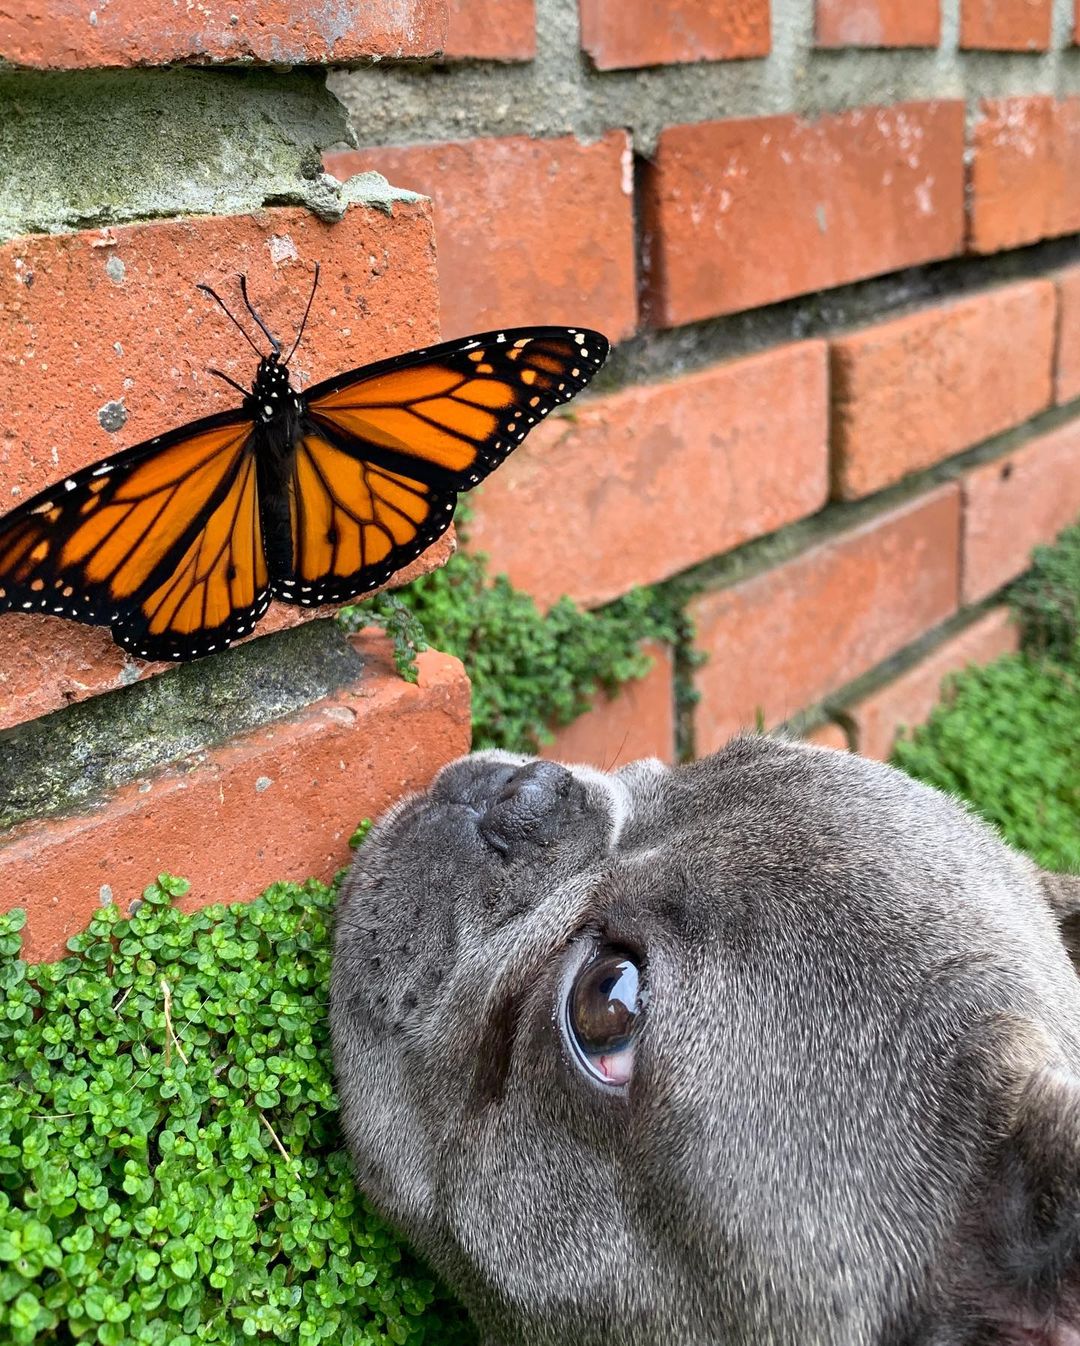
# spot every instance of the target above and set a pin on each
(354, 523)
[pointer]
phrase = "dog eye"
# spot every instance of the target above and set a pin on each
(603, 1011)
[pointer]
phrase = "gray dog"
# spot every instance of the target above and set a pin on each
(776, 1048)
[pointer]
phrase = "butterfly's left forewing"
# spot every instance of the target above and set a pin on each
(161, 542)
(453, 412)
(384, 451)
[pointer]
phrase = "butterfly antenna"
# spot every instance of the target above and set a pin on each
(221, 304)
(239, 388)
(303, 324)
(275, 344)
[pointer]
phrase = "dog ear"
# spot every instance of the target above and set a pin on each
(1013, 1278)
(1062, 892)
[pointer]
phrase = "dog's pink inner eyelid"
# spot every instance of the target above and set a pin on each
(618, 1067)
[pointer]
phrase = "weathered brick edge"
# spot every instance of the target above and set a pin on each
(782, 640)
(628, 34)
(877, 23)
(56, 35)
(279, 803)
(906, 701)
(491, 30)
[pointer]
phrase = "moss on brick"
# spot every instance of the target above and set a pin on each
(530, 671)
(75, 756)
(73, 147)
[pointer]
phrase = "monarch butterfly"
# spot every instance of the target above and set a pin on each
(180, 543)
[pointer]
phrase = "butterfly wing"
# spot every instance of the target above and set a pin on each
(163, 543)
(353, 522)
(383, 451)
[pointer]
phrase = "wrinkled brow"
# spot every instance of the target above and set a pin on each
(570, 914)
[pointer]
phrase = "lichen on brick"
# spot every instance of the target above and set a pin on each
(74, 756)
(73, 146)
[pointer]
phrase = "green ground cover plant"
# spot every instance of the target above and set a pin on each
(171, 1171)
(1007, 737)
(530, 670)
(1003, 743)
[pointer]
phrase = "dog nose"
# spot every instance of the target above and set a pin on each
(527, 806)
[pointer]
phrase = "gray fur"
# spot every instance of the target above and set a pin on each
(853, 1118)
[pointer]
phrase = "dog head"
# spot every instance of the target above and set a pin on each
(780, 1046)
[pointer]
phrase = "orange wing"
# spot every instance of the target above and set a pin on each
(353, 522)
(163, 543)
(384, 451)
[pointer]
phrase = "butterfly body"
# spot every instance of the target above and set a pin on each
(309, 497)
(276, 411)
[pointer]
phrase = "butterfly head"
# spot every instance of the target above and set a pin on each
(272, 396)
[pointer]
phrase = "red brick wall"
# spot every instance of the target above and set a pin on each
(1005, 25)
(928, 403)
(104, 342)
(842, 283)
(625, 33)
(64, 35)
(745, 212)
(878, 23)
(281, 800)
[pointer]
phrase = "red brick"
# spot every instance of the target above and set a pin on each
(878, 23)
(47, 663)
(748, 212)
(1024, 184)
(912, 391)
(639, 721)
(491, 30)
(279, 803)
(908, 700)
(780, 641)
(637, 486)
(529, 231)
(1014, 504)
(619, 34)
(69, 35)
(828, 735)
(1014, 181)
(1005, 25)
(1067, 370)
(111, 315)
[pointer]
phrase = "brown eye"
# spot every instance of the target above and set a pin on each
(603, 1011)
